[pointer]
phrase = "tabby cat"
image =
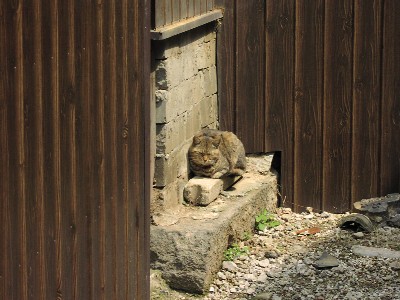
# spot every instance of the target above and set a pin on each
(215, 153)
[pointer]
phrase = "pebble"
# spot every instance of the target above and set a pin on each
(326, 261)
(395, 265)
(229, 265)
(358, 235)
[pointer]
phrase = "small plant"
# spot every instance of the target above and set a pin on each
(266, 220)
(235, 251)
(246, 236)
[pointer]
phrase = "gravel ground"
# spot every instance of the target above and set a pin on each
(281, 262)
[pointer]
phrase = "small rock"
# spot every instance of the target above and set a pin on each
(375, 252)
(325, 215)
(221, 275)
(229, 266)
(395, 265)
(326, 261)
(339, 270)
(262, 277)
(264, 263)
(271, 254)
(249, 277)
(299, 249)
(262, 296)
(358, 235)
(394, 221)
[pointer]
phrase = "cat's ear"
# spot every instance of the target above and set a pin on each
(216, 141)
(196, 139)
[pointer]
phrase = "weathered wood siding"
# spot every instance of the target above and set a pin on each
(74, 180)
(327, 97)
(166, 12)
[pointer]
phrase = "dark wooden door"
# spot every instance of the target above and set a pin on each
(316, 81)
(74, 157)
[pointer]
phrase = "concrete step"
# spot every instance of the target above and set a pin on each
(189, 248)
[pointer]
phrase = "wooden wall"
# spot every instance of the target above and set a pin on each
(166, 12)
(74, 158)
(318, 81)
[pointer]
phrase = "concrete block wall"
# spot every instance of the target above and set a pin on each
(186, 101)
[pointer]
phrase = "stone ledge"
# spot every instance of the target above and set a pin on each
(190, 252)
(168, 31)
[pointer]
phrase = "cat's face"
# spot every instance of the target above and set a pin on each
(204, 150)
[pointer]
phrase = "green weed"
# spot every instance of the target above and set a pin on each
(266, 220)
(235, 251)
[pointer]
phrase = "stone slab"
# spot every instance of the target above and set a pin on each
(380, 209)
(375, 252)
(190, 252)
(203, 191)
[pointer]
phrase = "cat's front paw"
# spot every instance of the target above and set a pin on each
(217, 175)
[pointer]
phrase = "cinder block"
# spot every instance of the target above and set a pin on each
(171, 166)
(205, 55)
(208, 79)
(202, 191)
(209, 110)
(177, 100)
(161, 76)
(171, 135)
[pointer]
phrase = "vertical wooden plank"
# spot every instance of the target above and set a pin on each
(176, 10)
(97, 150)
(138, 217)
(191, 8)
(210, 5)
(159, 9)
(4, 158)
(197, 7)
(184, 9)
(82, 271)
(15, 222)
(390, 120)
(33, 122)
(51, 136)
(338, 105)
(110, 152)
(366, 99)
(103, 280)
(279, 88)
(168, 10)
(250, 39)
(203, 6)
(120, 213)
(65, 145)
(226, 61)
(308, 103)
